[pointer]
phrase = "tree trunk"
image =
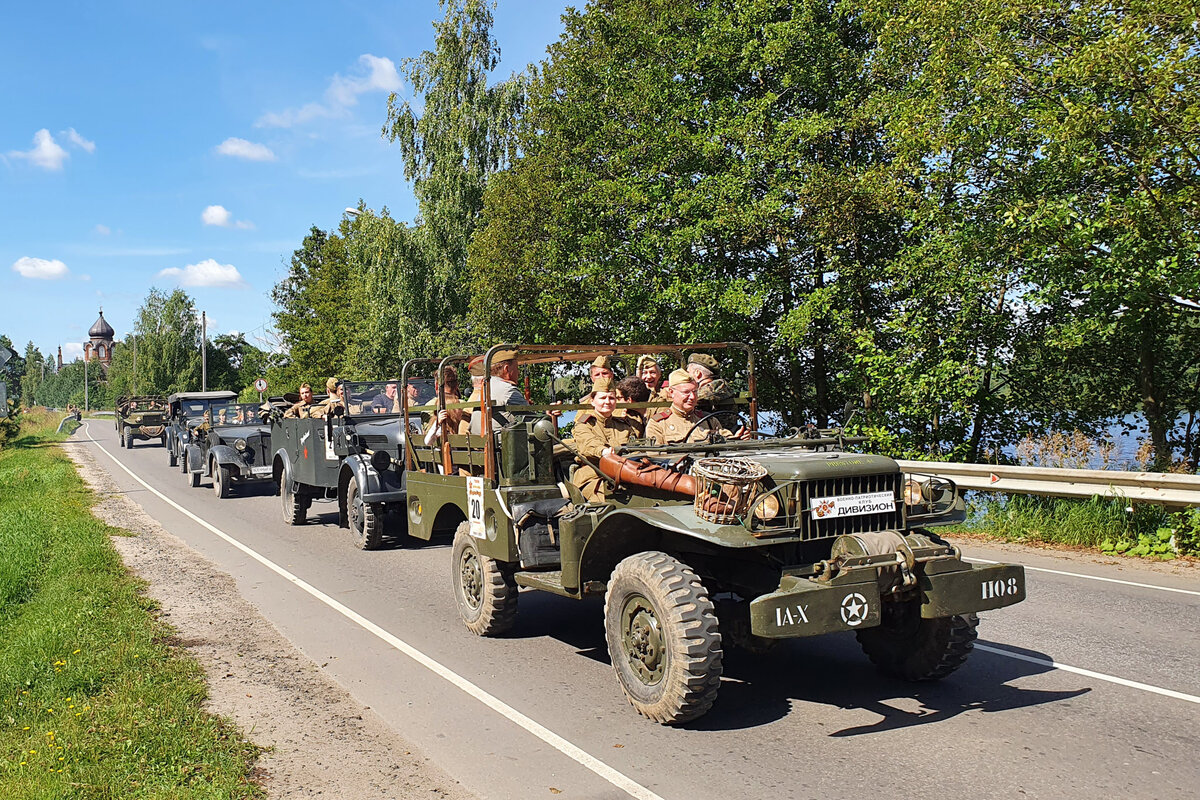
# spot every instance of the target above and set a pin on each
(1152, 405)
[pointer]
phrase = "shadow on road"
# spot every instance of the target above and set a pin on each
(829, 670)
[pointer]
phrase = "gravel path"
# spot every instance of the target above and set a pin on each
(323, 742)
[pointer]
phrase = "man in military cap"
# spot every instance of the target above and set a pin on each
(672, 425)
(712, 391)
(603, 429)
(502, 386)
(333, 388)
(304, 407)
(650, 372)
(601, 368)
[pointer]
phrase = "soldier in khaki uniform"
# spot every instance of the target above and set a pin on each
(304, 407)
(333, 388)
(670, 426)
(604, 428)
(712, 392)
(650, 372)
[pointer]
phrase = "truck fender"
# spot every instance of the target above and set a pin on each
(370, 482)
(281, 465)
(225, 455)
(194, 460)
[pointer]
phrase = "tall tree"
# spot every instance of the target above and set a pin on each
(460, 135)
(167, 331)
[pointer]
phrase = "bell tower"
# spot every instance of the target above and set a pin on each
(99, 346)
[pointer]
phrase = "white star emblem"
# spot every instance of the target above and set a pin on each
(854, 609)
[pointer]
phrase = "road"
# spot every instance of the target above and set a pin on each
(539, 713)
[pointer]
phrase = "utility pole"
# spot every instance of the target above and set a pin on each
(86, 407)
(134, 364)
(204, 351)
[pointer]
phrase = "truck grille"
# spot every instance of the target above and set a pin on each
(373, 441)
(852, 484)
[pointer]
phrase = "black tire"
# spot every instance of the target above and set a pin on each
(129, 438)
(183, 461)
(366, 519)
(222, 480)
(484, 588)
(663, 637)
(915, 649)
(172, 457)
(193, 479)
(295, 507)
(162, 440)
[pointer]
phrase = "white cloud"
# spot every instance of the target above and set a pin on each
(222, 218)
(103, 230)
(241, 148)
(207, 273)
(377, 74)
(74, 138)
(72, 351)
(45, 153)
(40, 268)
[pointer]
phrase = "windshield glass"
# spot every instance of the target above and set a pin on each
(383, 397)
(236, 414)
(194, 408)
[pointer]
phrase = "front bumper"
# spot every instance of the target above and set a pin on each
(809, 606)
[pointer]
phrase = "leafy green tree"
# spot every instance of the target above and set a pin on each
(35, 367)
(317, 310)
(696, 172)
(1057, 145)
(166, 350)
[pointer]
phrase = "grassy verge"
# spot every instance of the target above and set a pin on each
(1108, 525)
(93, 702)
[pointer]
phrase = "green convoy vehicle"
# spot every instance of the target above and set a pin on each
(350, 454)
(141, 418)
(757, 541)
(233, 446)
(185, 411)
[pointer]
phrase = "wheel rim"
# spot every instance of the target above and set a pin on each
(471, 576)
(357, 517)
(642, 640)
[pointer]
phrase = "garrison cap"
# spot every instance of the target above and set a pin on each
(603, 385)
(706, 361)
(476, 366)
(500, 356)
(603, 361)
(331, 384)
(643, 360)
(680, 376)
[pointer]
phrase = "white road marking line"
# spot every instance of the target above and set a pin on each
(1092, 577)
(577, 754)
(1046, 662)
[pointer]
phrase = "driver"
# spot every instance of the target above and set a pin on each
(673, 424)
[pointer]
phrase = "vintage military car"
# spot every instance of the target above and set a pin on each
(143, 418)
(351, 454)
(232, 446)
(704, 545)
(185, 410)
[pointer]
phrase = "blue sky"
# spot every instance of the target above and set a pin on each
(184, 144)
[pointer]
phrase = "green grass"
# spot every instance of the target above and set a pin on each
(93, 702)
(1108, 525)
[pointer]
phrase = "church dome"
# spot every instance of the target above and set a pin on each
(101, 329)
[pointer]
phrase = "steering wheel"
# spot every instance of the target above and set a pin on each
(704, 419)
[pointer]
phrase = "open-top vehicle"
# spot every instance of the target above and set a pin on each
(185, 410)
(232, 446)
(141, 418)
(703, 545)
(351, 454)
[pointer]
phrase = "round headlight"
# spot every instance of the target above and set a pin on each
(380, 460)
(912, 493)
(768, 509)
(239, 444)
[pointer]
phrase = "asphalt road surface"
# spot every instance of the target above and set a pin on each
(1090, 688)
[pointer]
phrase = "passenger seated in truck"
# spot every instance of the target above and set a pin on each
(502, 386)
(672, 426)
(598, 432)
(634, 390)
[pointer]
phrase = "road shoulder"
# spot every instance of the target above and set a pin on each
(324, 743)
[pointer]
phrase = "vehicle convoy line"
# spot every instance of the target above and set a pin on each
(572, 751)
(1092, 577)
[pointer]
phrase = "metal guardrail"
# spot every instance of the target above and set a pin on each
(1166, 489)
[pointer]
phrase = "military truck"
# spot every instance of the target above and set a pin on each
(350, 454)
(141, 418)
(705, 545)
(232, 446)
(185, 410)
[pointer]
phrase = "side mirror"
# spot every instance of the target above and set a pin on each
(544, 429)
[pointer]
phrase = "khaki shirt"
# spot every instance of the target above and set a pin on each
(670, 426)
(304, 410)
(591, 436)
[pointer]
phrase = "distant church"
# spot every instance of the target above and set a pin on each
(99, 347)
